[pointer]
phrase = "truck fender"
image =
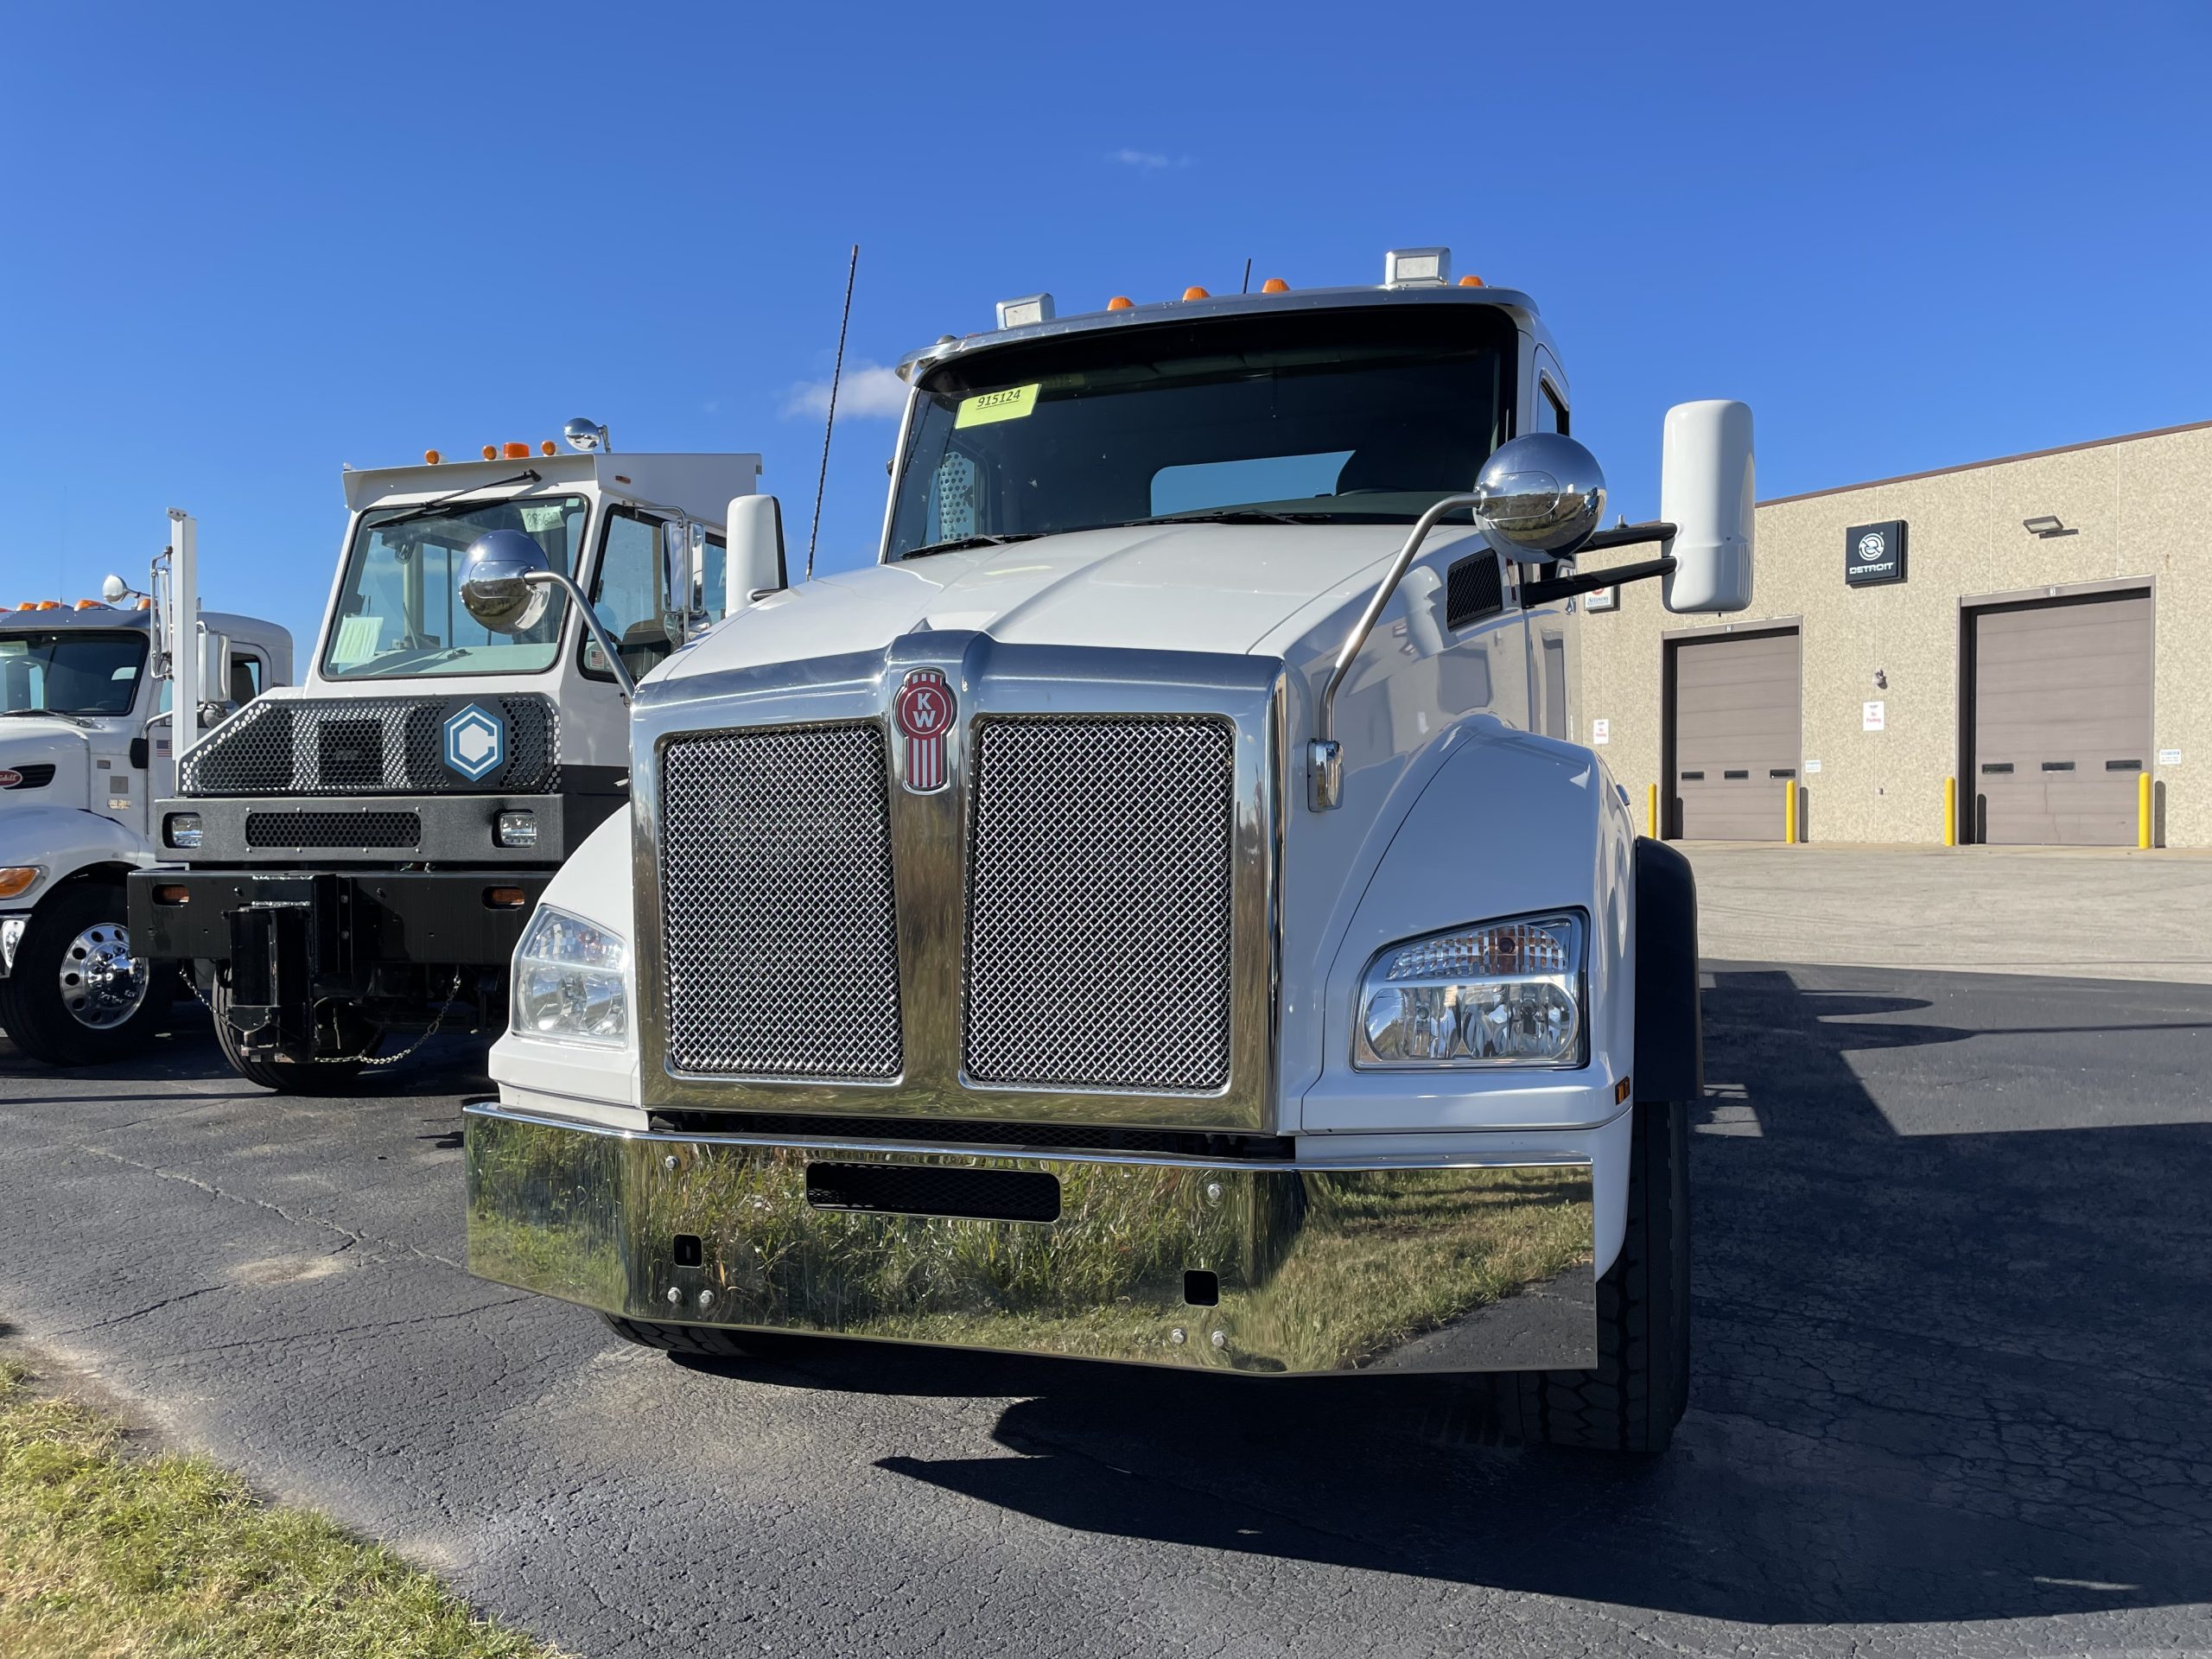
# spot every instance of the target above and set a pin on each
(1669, 1034)
(66, 841)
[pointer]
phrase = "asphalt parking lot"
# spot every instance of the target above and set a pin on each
(1951, 1397)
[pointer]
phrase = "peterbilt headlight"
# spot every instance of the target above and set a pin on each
(1503, 993)
(568, 983)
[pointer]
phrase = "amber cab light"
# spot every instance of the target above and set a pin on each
(1471, 281)
(1119, 302)
(546, 447)
(1275, 285)
(1194, 292)
(516, 452)
(431, 457)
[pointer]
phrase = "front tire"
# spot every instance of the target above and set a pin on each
(285, 1077)
(1632, 1401)
(76, 994)
(710, 1341)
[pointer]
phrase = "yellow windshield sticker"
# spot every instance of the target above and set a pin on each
(1015, 404)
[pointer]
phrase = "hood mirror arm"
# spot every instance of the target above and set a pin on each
(593, 626)
(1325, 755)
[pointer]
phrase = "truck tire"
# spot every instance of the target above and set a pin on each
(76, 994)
(1634, 1398)
(707, 1340)
(285, 1077)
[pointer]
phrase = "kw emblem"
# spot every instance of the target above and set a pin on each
(923, 711)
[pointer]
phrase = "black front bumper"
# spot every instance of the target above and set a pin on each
(288, 943)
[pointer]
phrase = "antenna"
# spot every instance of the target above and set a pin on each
(1247, 288)
(814, 532)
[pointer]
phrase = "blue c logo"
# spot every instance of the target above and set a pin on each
(476, 743)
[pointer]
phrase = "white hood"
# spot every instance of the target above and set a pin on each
(1207, 588)
(28, 741)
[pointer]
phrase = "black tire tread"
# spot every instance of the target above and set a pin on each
(711, 1341)
(1631, 1401)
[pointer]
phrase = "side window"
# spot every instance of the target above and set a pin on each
(247, 679)
(715, 580)
(1551, 414)
(625, 596)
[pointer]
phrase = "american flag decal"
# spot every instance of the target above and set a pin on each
(923, 712)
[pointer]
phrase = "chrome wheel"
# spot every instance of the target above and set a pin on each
(102, 983)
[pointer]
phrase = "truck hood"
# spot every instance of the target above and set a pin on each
(27, 740)
(1205, 587)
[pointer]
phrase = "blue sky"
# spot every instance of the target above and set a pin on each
(245, 245)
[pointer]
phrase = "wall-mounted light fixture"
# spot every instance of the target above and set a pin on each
(2047, 525)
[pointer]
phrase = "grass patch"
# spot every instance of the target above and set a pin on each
(104, 1554)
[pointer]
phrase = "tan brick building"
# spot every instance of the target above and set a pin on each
(2037, 629)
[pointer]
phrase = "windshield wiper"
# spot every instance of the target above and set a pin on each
(1230, 516)
(428, 508)
(962, 543)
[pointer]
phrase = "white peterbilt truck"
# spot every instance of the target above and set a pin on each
(354, 857)
(86, 746)
(1160, 912)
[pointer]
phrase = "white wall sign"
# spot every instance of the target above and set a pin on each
(2169, 757)
(1601, 731)
(1812, 767)
(1872, 716)
(1605, 599)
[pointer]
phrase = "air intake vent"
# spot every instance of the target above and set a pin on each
(37, 776)
(1473, 588)
(378, 746)
(1098, 919)
(374, 830)
(779, 929)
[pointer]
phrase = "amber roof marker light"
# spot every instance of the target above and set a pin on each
(1194, 292)
(1471, 281)
(431, 457)
(1119, 302)
(1275, 285)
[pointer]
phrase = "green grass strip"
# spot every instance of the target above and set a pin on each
(106, 1554)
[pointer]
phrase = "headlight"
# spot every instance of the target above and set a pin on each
(569, 980)
(1504, 993)
(183, 829)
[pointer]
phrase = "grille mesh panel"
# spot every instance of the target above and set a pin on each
(367, 746)
(1098, 920)
(776, 903)
(333, 830)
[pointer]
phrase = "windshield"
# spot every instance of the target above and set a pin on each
(399, 609)
(71, 673)
(1351, 416)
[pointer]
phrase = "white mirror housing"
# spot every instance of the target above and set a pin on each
(1705, 493)
(754, 567)
(214, 665)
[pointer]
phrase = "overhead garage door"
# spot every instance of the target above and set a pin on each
(2061, 720)
(1736, 735)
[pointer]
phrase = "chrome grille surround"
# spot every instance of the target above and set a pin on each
(1242, 696)
(777, 917)
(1099, 870)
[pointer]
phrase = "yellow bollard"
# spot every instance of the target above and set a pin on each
(1651, 815)
(2143, 812)
(1950, 811)
(1789, 813)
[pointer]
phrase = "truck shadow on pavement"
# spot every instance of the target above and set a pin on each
(1952, 1360)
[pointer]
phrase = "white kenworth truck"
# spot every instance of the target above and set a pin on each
(1161, 910)
(86, 746)
(353, 859)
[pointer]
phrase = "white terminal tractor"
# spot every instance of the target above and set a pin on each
(1161, 910)
(350, 862)
(86, 744)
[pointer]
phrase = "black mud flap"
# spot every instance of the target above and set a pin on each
(1670, 1034)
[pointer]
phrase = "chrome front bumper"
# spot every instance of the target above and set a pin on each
(1466, 1267)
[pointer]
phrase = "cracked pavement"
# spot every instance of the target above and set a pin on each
(1951, 1394)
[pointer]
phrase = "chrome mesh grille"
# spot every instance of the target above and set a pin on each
(778, 920)
(369, 746)
(1098, 917)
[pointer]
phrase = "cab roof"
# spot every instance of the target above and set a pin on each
(691, 482)
(1515, 304)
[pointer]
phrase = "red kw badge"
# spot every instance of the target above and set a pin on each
(923, 711)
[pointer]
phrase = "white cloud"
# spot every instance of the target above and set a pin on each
(868, 391)
(1148, 160)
